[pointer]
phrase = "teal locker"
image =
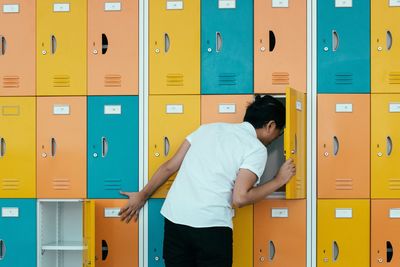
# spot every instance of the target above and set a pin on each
(156, 233)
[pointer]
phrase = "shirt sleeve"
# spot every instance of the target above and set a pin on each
(255, 162)
(192, 137)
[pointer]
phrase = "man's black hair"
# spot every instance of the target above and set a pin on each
(265, 109)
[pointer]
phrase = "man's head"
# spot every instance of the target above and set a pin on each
(267, 115)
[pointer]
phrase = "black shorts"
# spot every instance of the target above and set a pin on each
(186, 246)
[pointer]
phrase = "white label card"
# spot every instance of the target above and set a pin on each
(112, 109)
(299, 106)
(9, 212)
(344, 213)
(58, 7)
(226, 4)
(61, 110)
(343, 3)
(394, 3)
(112, 6)
(174, 5)
(227, 108)
(174, 109)
(343, 108)
(279, 213)
(280, 3)
(11, 8)
(394, 213)
(111, 212)
(394, 107)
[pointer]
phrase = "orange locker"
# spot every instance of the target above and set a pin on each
(116, 242)
(280, 233)
(280, 45)
(112, 53)
(17, 48)
(343, 146)
(61, 147)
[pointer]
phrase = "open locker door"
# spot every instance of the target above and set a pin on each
(89, 213)
(295, 141)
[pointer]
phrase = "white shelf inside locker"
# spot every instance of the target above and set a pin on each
(65, 245)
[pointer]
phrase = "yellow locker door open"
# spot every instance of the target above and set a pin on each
(89, 210)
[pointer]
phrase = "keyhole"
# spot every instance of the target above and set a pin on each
(324, 145)
(377, 146)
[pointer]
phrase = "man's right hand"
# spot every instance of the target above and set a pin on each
(132, 209)
(286, 172)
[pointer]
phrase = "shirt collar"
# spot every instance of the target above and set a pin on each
(250, 128)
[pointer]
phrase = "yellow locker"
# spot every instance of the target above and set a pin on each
(385, 49)
(174, 47)
(343, 232)
(243, 236)
(89, 210)
(385, 140)
(295, 141)
(61, 47)
(171, 119)
(17, 147)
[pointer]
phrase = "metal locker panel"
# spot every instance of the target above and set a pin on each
(343, 146)
(385, 69)
(385, 153)
(280, 41)
(61, 47)
(61, 147)
(227, 47)
(295, 138)
(117, 244)
(113, 140)
(343, 232)
(113, 66)
(17, 48)
(17, 232)
(280, 233)
(166, 115)
(243, 236)
(156, 233)
(89, 209)
(17, 147)
(343, 44)
(174, 47)
(385, 222)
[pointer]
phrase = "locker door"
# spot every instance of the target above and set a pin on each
(117, 244)
(243, 236)
(61, 147)
(61, 47)
(343, 233)
(295, 141)
(17, 48)
(17, 147)
(280, 233)
(385, 140)
(156, 233)
(343, 46)
(89, 210)
(280, 41)
(385, 69)
(171, 119)
(174, 47)
(18, 233)
(113, 65)
(227, 47)
(385, 221)
(113, 140)
(343, 146)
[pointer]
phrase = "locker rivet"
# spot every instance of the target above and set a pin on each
(95, 51)
(209, 50)
(262, 49)
(380, 260)
(44, 52)
(380, 154)
(157, 154)
(379, 48)
(157, 258)
(326, 154)
(261, 259)
(292, 152)
(157, 50)
(95, 155)
(326, 48)
(44, 155)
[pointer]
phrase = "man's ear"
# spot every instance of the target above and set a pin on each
(270, 126)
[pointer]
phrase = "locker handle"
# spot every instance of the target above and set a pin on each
(104, 250)
(167, 42)
(271, 250)
(104, 43)
(389, 251)
(294, 151)
(53, 147)
(218, 42)
(335, 41)
(2, 147)
(272, 41)
(3, 45)
(104, 147)
(2, 249)
(389, 40)
(53, 44)
(335, 145)
(166, 146)
(389, 146)
(335, 251)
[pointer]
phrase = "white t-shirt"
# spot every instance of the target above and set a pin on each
(201, 195)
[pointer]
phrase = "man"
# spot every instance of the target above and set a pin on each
(219, 164)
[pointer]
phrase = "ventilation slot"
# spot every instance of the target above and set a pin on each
(175, 79)
(394, 184)
(112, 81)
(112, 184)
(344, 184)
(344, 78)
(61, 184)
(10, 82)
(280, 78)
(9, 184)
(61, 81)
(227, 79)
(394, 78)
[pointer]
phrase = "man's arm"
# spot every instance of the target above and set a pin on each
(138, 199)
